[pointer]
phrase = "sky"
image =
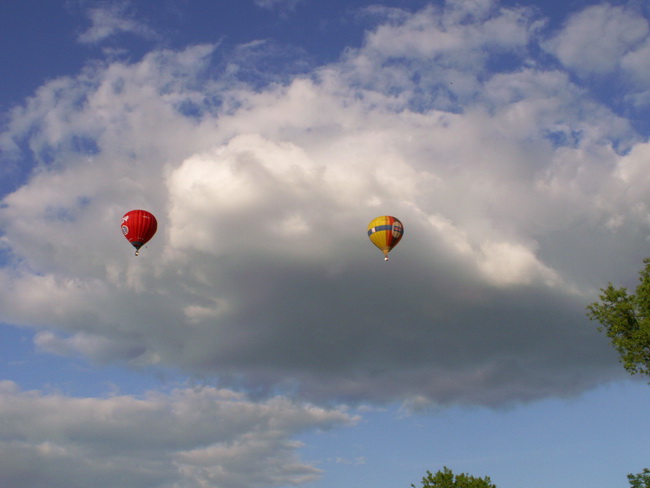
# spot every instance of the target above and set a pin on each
(259, 340)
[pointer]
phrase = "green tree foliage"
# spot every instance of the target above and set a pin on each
(641, 480)
(447, 479)
(625, 318)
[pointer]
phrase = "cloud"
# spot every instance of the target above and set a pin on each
(188, 437)
(595, 39)
(608, 42)
(113, 19)
(519, 194)
(281, 4)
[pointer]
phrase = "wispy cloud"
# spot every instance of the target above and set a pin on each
(109, 20)
(277, 4)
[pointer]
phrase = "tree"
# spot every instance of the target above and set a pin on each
(447, 479)
(641, 480)
(625, 318)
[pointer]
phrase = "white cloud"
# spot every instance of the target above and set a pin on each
(455, 40)
(601, 37)
(277, 4)
(190, 437)
(515, 188)
(637, 72)
(111, 20)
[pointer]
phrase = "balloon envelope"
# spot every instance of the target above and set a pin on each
(139, 226)
(385, 232)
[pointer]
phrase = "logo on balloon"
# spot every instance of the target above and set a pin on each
(125, 230)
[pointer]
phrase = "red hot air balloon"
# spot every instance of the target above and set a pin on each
(138, 226)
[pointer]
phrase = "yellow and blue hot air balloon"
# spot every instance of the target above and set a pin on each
(385, 232)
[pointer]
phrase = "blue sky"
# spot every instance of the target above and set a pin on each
(259, 339)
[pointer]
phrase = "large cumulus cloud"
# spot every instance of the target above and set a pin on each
(520, 195)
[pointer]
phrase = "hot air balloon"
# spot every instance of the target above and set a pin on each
(138, 226)
(385, 232)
